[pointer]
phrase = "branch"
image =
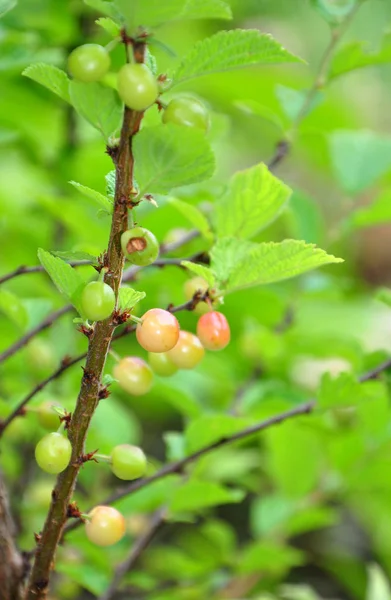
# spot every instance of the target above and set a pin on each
(11, 562)
(141, 544)
(36, 269)
(283, 147)
(179, 466)
(99, 344)
(50, 319)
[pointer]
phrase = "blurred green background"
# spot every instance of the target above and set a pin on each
(315, 516)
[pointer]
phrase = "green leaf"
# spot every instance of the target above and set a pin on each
(269, 557)
(6, 5)
(384, 295)
(334, 11)
(196, 495)
(298, 592)
(228, 50)
(304, 219)
(12, 306)
(194, 216)
(109, 25)
(97, 198)
(201, 270)
(51, 77)
(66, 279)
(169, 156)
(110, 183)
(359, 158)
(292, 101)
(128, 298)
(211, 428)
(251, 107)
(376, 213)
(207, 9)
(356, 55)
(343, 390)
(238, 264)
(254, 199)
(107, 8)
(378, 585)
(99, 105)
(86, 575)
(75, 256)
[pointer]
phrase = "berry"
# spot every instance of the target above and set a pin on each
(191, 287)
(89, 62)
(188, 112)
(213, 331)
(158, 330)
(137, 86)
(97, 301)
(188, 351)
(140, 246)
(162, 364)
(134, 375)
(106, 526)
(47, 417)
(128, 462)
(53, 453)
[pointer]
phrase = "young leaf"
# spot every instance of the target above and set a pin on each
(99, 199)
(196, 495)
(12, 306)
(228, 50)
(106, 8)
(252, 107)
(207, 9)
(376, 213)
(128, 298)
(384, 295)
(359, 158)
(211, 428)
(76, 256)
(292, 101)
(194, 215)
(334, 12)
(66, 279)
(238, 265)
(51, 77)
(110, 184)
(109, 25)
(356, 55)
(169, 156)
(254, 200)
(98, 104)
(200, 270)
(269, 557)
(6, 5)
(343, 390)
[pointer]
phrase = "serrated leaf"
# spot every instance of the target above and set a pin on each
(376, 213)
(65, 278)
(110, 183)
(194, 216)
(99, 105)
(128, 297)
(196, 495)
(201, 270)
(109, 25)
(6, 6)
(228, 50)
(169, 156)
(12, 306)
(51, 77)
(254, 199)
(108, 379)
(210, 428)
(359, 158)
(70, 256)
(238, 264)
(97, 198)
(357, 55)
(106, 8)
(378, 584)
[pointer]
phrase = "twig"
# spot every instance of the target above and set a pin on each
(283, 146)
(141, 544)
(179, 466)
(50, 319)
(37, 269)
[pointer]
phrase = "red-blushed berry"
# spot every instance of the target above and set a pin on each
(213, 331)
(158, 330)
(191, 287)
(105, 526)
(134, 375)
(187, 352)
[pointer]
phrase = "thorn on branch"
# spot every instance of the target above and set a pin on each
(119, 318)
(87, 331)
(104, 392)
(73, 512)
(112, 151)
(37, 537)
(86, 458)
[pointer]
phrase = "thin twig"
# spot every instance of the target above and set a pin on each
(141, 544)
(37, 269)
(283, 147)
(50, 319)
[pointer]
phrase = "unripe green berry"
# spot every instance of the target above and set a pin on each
(140, 246)
(97, 301)
(47, 417)
(53, 453)
(137, 86)
(134, 375)
(89, 63)
(128, 462)
(188, 112)
(162, 364)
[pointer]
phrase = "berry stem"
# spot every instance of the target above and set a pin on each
(99, 343)
(103, 458)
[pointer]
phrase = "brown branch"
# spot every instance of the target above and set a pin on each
(179, 466)
(36, 269)
(283, 147)
(11, 561)
(50, 319)
(140, 545)
(99, 344)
